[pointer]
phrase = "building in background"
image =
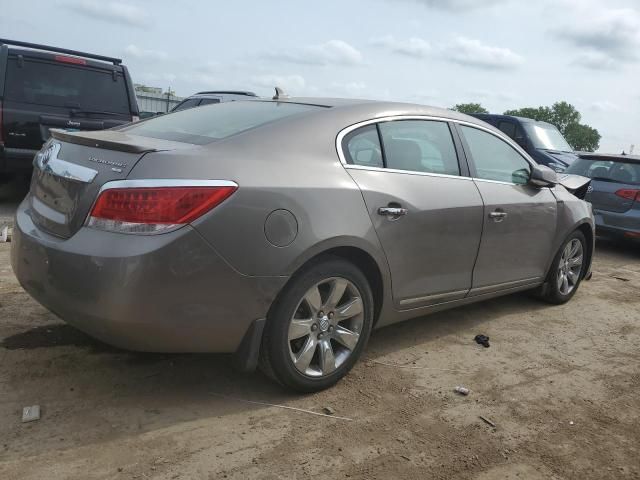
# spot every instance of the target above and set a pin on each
(152, 100)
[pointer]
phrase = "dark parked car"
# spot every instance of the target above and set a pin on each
(43, 87)
(206, 98)
(614, 192)
(541, 140)
(286, 230)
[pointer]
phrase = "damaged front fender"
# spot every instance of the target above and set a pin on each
(575, 184)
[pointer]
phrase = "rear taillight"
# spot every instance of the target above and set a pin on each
(155, 209)
(629, 193)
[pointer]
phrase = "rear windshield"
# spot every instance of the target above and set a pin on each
(63, 85)
(606, 170)
(205, 124)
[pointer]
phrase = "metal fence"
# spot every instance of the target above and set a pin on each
(156, 102)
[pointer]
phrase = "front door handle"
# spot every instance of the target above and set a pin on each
(392, 211)
(498, 215)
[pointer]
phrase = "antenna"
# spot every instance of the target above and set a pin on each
(280, 95)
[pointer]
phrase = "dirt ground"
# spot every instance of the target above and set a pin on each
(561, 385)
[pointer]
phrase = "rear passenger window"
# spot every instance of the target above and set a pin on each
(362, 147)
(494, 158)
(419, 146)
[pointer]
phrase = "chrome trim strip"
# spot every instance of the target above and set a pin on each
(500, 286)
(166, 182)
(349, 166)
(437, 296)
(345, 131)
(70, 171)
(47, 160)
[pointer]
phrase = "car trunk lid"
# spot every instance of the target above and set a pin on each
(72, 167)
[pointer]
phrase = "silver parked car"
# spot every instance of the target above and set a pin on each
(285, 230)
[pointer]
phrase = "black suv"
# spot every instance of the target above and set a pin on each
(44, 87)
(541, 140)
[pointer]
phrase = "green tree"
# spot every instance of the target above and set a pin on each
(469, 108)
(567, 119)
(582, 137)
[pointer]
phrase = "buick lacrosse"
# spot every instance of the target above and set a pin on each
(285, 230)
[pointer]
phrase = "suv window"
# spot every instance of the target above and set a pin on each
(508, 128)
(494, 158)
(207, 101)
(200, 126)
(420, 146)
(63, 85)
(363, 147)
(189, 103)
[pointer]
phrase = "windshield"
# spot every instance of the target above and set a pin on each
(547, 137)
(70, 86)
(203, 125)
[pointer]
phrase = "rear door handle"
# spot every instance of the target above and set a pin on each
(498, 215)
(392, 211)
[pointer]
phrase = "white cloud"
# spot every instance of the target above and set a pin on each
(138, 52)
(604, 106)
(607, 37)
(460, 5)
(112, 12)
(333, 52)
(594, 60)
(473, 53)
(291, 84)
(412, 47)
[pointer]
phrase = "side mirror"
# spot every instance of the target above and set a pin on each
(543, 176)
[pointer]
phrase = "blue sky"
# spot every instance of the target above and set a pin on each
(501, 53)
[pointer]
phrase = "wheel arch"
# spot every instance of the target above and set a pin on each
(585, 227)
(356, 251)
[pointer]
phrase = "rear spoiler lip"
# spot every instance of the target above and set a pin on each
(87, 141)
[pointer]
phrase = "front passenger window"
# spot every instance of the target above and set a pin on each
(494, 158)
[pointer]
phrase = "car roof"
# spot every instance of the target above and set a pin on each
(612, 157)
(16, 47)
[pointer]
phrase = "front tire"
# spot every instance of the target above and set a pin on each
(318, 327)
(567, 270)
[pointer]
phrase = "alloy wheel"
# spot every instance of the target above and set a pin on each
(326, 327)
(570, 267)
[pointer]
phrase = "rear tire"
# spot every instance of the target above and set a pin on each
(566, 272)
(318, 327)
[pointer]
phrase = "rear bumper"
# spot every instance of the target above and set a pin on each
(16, 159)
(624, 225)
(160, 293)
